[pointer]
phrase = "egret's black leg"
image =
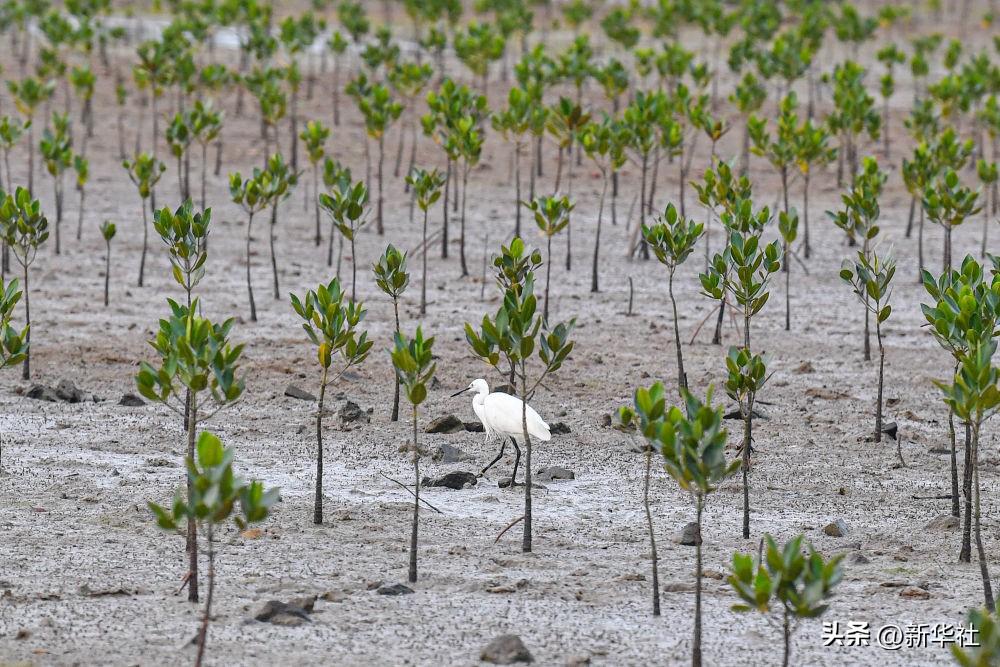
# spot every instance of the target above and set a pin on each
(517, 462)
(503, 446)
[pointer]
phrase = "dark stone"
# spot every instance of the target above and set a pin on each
(40, 392)
(474, 427)
(446, 424)
(835, 528)
(131, 401)
(281, 613)
(293, 391)
(394, 589)
(559, 428)
(448, 454)
(690, 535)
(506, 650)
(550, 473)
(456, 479)
(891, 429)
(67, 391)
(351, 412)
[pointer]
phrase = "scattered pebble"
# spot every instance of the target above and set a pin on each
(506, 650)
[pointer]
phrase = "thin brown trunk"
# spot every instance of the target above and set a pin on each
(696, 645)
(318, 502)
(253, 307)
(652, 535)
(526, 540)
(206, 617)
(192, 527)
(412, 575)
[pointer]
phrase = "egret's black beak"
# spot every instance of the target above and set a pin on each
(460, 391)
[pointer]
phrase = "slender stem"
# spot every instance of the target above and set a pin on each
(318, 502)
(253, 307)
(206, 617)
(681, 375)
(412, 575)
(395, 397)
(652, 535)
(526, 540)
(696, 650)
(192, 527)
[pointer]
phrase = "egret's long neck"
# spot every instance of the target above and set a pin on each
(479, 398)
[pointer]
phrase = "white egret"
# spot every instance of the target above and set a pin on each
(500, 414)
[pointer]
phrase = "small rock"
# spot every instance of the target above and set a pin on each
(456, 479)
(551, 473)
(559, 428)
(351, 412)
(826, 394)
(677, 587)
(67, 391)
(942, 522)
(580, 660)
(474, 427)
(445, 424)
(40, 392)
(449, 454)
(506, 650)
(334, 596)
(131, 401)
(294, 391)
(306, 602)
(281, 613)
(891, 429)
(606, 421)
(835, 529)
(860, 559)
(805, 367)
(914, 593)
(690, 535)
(394, 589)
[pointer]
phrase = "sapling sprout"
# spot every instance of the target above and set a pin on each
(605, 144)
(948, 203)
(81, 166)
(25, 229)
(673, 239)
(331, 321)
(797, 585)
(413, 360)
(185, 232)
(630, 422)
(144, 171)
(788, 227)
(277, 185)
(380, 111)
(551, 216)
(13, 343)
(195, 357)
(347, 207)
(213, 494)
(870, 276)
(206, 126)
(392, 278)
(57, 155)
(426, 190)
(252, 195)
(513, 335)
(29, 94)
(314, 136)
(987, 172)
(692, 441)
(108, 230)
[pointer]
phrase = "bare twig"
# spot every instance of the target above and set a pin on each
(509, 526)
(410, 491)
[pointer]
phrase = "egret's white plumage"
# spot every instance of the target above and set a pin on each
(501, 414)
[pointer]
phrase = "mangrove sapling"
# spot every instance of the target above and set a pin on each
(890, 56)
(29, 94)
(859, 218)
(108, 230)
(409, 80)
(338, 45)
(987, 648)
(13, 343)
(154, 70)
(380, 111)
(477, 46)
(604, 143)
(314, 137)
(780, 150)
(25, 229)
(811, 150)
(974, 397)
(870, 276)
(917, 175)
(723, 193)
(83, 81)
(278, 183)
(854, 114)
(334, 175)
(513, 123)
(565, 121)
(121, 99)
(347, 207)
(331, 321)
(214, 493)
(297, 36)
(748, 97)
(966, 305)
(426, 191)
(11, 131)
(512, 336)
(467, 136)
(57, 154)
(692, 441)
(551, 216)
(206, 127)
(987, 172)
(788, 227)
(414, 363)
(185, 234)
(392, 278)
(640, 117)
(81, 167)
(948, 203)
(195, 358)
(252, 195)
(144, 171)
(673, 239)
(797, 585)
(179, 138)
(629, 422)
